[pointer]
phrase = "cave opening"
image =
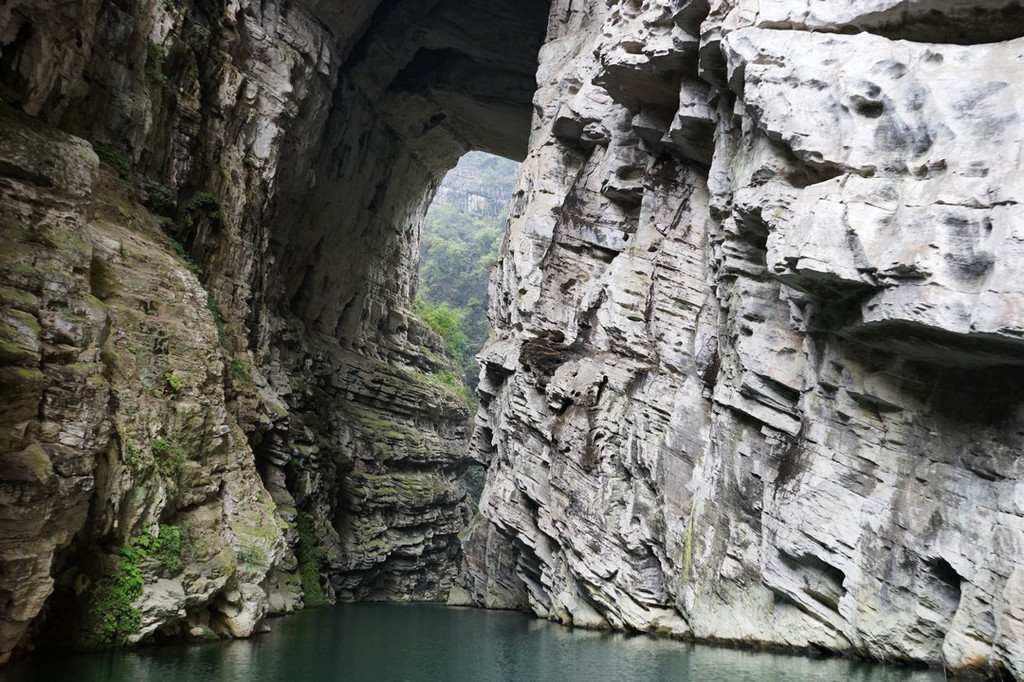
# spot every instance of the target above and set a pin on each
(268, 166)
(427, 85)
(458, 248)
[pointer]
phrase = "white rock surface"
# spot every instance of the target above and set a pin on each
(756, 374)
(162, 601)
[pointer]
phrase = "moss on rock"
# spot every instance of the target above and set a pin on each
(310, 556)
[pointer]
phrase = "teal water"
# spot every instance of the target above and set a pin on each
(431, 643)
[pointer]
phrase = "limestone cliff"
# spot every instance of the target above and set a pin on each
(216, 403)
(479, 184)
(756, 371)
(757, 367)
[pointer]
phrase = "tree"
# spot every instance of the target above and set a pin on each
(447, 322)
(459, 244)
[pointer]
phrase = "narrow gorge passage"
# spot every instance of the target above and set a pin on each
(756, 366)
(460, 243)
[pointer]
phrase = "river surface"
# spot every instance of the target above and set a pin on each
(432, 643)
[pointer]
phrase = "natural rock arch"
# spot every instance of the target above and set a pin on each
(765, 389)
(291, 148)
(426, 83)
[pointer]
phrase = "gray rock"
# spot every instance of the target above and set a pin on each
(756, 366)
(768, 397)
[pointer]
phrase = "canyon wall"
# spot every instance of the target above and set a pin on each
(215, 402)
(756, 369)
(757, 361)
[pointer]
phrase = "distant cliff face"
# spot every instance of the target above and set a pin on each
(479, 184)
(758, 359)
(756, 372)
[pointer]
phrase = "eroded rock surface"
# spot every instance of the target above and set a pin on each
(757, 358)
(206, 325)
(116, 416)
(756, 369)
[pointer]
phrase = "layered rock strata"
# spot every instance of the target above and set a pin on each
(756, 370)
(217, 404)
(116, 424)
(756, 374)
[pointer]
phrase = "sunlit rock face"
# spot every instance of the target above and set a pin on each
(756, 372)
(269, 394)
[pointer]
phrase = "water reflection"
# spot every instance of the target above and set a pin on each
(427, 643)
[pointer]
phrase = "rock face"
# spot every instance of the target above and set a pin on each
(756, 371)
(216, 403)
(757, 358)
(115, 417)
(479, 183)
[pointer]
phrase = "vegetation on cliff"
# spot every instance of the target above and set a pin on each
(114, 612)
(461, 236)
(310, 556)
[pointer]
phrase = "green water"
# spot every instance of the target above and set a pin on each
(428, 643)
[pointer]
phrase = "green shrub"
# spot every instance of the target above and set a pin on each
(114, 159)
(166, 547)
(448, 380)
(204, 202)
(160, 199)
(113, 601)
(218, 320)
(170, 458)
(180, 250)
(167, 224)
(251, 555)
(132, 456)
(113, 608)
(173, 382)
(239, 371)
(155, 56)
(447, 322)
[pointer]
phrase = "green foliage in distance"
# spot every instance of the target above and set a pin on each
(458, 247)
(448, 323)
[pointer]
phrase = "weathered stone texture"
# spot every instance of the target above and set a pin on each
(757, 363)
(281, 406)
(757, 357)
(53, 395)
